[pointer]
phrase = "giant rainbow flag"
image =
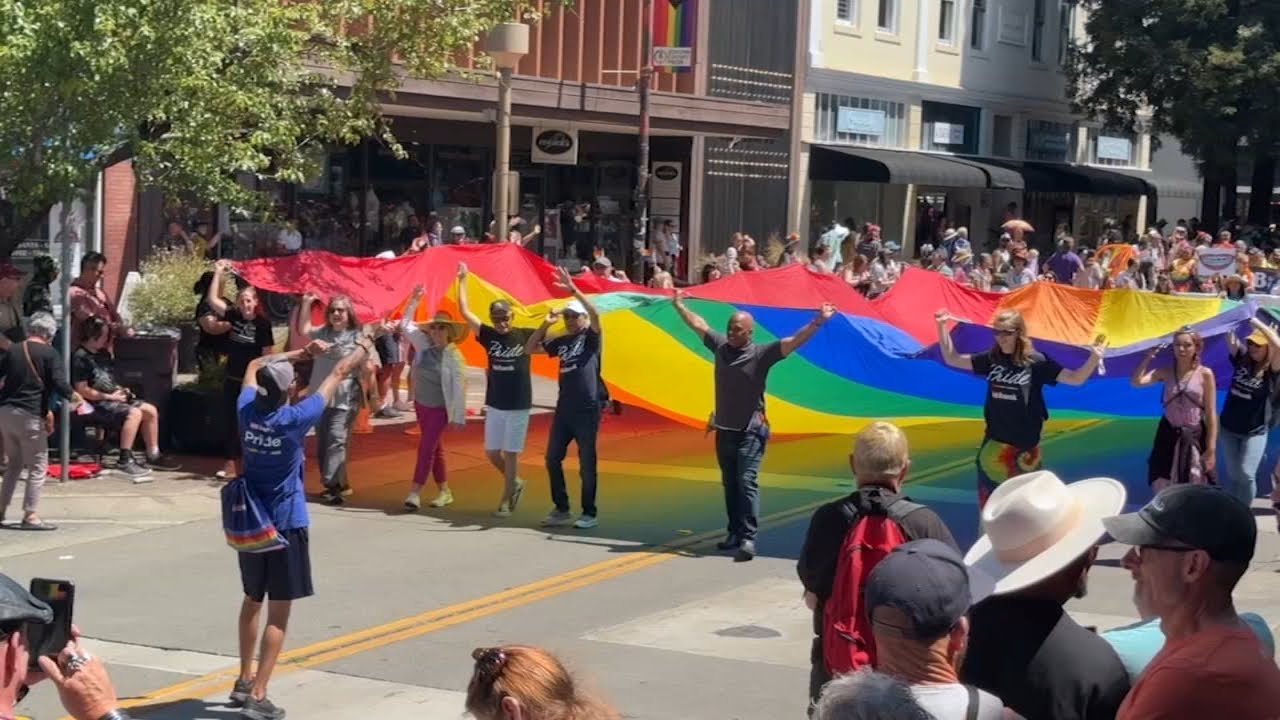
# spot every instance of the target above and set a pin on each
(876, 359)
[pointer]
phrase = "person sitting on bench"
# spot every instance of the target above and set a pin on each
(115, 408)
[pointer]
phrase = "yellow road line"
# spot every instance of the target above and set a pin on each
(378, 636)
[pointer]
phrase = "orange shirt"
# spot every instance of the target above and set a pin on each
(1217, 672)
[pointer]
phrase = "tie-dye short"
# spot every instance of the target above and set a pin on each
(998, 462)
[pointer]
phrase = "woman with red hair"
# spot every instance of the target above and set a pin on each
(1186, 442)
(517, 682)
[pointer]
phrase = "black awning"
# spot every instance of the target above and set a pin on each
(898, 167)
(1167, 187)
(1081, 179)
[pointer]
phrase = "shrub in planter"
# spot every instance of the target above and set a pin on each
(164, 299)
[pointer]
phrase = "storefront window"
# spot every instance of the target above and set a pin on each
(1115, 149)
(459, 187)
(1050, 141)
(860, 121)
(950, 128)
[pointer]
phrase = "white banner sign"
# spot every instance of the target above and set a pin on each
(948, 134)
(675, 57)
(1215, 261)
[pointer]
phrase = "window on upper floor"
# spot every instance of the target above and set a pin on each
(1114, 148)
(1002, 136)
(1066, 29)
(1050, 141)
(1037, 31)
(846, 120)
(978, 25)
(887, 16)
(847, 11)
(947, 22)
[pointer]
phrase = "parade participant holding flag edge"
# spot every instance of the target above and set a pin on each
(1014, 409)
(742, 429)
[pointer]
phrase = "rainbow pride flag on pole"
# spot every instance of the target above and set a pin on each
(675, 30)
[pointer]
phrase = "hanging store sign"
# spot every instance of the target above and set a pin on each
(555, 146)
(855, 121)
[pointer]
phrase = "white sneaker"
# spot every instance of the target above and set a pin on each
(555, 518)
(586, 522)
(413, 502)
(503, 511)
(403, 406)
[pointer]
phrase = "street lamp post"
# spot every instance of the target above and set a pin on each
(506, 44)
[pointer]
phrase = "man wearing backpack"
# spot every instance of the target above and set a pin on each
(846, 539)
(272, 433)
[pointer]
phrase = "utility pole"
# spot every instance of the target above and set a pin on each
(644, 81)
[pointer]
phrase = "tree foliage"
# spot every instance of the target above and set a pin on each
(1207, 71)
(198, 91)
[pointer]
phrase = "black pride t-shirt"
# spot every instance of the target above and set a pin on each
(580, 382)
(1247, 410)
(245, 341)
(508, 385)
(1014, 408)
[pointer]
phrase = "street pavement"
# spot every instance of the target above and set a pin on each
(642, 609)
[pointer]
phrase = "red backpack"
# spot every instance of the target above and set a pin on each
(847, 643)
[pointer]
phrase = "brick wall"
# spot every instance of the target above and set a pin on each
(119, 225)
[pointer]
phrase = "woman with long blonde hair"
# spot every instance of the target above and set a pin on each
(1186, 443)
(518, 682)
(1014, 409)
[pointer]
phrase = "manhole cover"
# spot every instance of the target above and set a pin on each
(751, 632)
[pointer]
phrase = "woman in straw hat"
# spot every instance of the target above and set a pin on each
(440, 395)
(1247, 414)
(1014, 410)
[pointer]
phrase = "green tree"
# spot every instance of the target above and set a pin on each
(198, 91)
(1207, 72)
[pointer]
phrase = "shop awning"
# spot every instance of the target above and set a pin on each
(1167, 187)
(1082, 179)
(899, 167)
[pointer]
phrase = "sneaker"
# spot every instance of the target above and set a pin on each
(240, 693)
(517, 494)
(444, 498)
(332, 498)
(162, 462)
(557, 518)
(503, 511)
(135, 472)
(747, 552)
(262, 709)
(413, 501)
(387, 413)
(403, 407)
(586, 522)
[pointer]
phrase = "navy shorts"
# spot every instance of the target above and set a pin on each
(388, 347)
(281, 574)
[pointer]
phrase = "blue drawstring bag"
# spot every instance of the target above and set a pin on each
(248, 528)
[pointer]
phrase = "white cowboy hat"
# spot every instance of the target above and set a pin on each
(1036, 525)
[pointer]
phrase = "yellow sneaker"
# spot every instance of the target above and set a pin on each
(444, 498)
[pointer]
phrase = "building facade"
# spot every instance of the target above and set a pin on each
(919, 114)
(719, 147)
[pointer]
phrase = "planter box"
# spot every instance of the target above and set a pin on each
(195, 424)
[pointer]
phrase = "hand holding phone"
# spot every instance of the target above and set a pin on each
(49, 640)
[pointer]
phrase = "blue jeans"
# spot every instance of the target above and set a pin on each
(582, 427)
(739, 453)
(1242, 454)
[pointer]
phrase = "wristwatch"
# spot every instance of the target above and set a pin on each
(116, 714)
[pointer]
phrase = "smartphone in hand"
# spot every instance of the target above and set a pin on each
(50, 639)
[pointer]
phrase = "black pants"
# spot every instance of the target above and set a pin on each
(818, 675)
(739, 453)
(582, 427)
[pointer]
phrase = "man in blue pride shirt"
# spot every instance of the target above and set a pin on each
(582, 394)
(272, 434)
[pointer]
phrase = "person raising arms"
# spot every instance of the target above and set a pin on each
(1014, 409)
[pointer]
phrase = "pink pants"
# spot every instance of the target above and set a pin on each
(432, 421)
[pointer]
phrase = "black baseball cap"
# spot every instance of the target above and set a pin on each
(1198, 516)
(928, 582)
(18, 606)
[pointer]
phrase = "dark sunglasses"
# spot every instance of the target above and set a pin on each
(1006, 333)
(500, 318)
(437, 327)
(333, 310)
(570, 315)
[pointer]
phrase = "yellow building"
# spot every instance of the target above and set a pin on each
(918, 113)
